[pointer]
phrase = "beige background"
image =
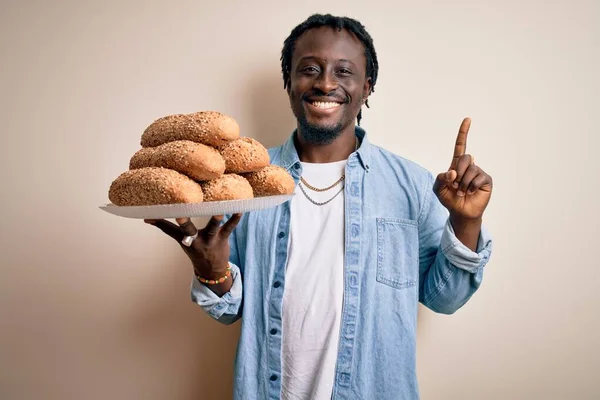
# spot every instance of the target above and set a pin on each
(98, 307)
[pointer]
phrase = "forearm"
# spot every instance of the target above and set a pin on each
(453, 273)
(467, 230)
(446, 288)
(217, 276)
(221, 288)
(226, 307)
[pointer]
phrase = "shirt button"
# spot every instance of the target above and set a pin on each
(296, 166)
(273, 378)
(273, 331)
(281, 235)
(276, 285)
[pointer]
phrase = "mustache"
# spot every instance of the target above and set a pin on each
(333, 96)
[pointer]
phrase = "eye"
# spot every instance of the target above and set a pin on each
(309, 70)
(344, 71)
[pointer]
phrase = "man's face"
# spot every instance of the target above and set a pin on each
(328, 83)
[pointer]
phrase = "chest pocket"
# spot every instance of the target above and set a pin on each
(397, 252)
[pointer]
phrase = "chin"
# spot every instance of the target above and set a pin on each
(320, 133)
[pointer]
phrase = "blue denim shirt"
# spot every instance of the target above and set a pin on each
(399, 250)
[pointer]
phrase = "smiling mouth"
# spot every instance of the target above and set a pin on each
(325, 105)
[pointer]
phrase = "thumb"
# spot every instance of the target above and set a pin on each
(444, 179)
(451, 175)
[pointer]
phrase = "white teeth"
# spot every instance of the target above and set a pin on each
(325, 105)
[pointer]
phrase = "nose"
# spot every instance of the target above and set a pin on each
(326, 82)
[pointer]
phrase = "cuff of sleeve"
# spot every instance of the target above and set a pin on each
(214, 305)
(460, 255)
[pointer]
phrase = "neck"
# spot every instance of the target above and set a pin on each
(338, 150)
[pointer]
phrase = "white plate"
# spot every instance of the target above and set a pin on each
(189, 210)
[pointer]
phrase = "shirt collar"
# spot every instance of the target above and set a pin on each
(289, 155)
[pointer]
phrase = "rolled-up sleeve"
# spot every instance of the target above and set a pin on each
(460, 255)
(225, 309)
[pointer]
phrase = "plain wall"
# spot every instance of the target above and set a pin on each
(98, 307)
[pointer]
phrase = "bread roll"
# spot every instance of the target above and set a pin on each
(153, 186)
(207, 127)
(227, 187)
(270, 181)
(198, 161)
(220, 128)
(244, 155)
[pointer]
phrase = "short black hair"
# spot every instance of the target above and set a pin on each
(339, 23)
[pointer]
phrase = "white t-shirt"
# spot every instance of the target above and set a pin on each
(314, 286)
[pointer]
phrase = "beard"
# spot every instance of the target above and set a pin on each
(319, 135)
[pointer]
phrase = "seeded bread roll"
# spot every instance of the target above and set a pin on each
(270, 181)
(244, 155)
(227, 187)
(153, 186)
(198, 161)
(220, 128)
(207, 127)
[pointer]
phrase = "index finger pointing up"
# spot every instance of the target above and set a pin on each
(461, 142)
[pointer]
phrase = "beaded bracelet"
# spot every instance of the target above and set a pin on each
(215, 281)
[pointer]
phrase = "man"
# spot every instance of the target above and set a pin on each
(328, 284)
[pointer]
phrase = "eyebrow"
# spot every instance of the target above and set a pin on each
(306, 58)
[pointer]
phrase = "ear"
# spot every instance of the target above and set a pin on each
(288, 86)
(367, 89)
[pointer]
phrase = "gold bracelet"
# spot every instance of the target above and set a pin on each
(215, 281)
